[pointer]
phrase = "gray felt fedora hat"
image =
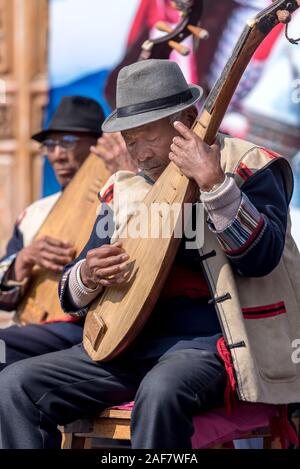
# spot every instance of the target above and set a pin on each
(148, 91)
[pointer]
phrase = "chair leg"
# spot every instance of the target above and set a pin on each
(71, 441)
(78, 442)
(267, 442)
(66, 440)
(270, 443)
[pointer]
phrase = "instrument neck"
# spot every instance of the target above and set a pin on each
(210, 118)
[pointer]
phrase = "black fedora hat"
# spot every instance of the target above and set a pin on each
(75, 114)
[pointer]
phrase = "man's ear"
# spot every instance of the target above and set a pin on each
(189, 116)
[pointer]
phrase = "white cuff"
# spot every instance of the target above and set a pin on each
(81, 295)
(222, 204)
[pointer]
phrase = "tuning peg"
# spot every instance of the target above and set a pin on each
(164, 27)
(284, 16)
(179, 47)
(200, 33)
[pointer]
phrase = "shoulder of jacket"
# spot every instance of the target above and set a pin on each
(243, 159)
(39, 206)
(119, 180)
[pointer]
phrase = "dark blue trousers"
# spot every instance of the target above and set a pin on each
(29, 341)
(39, 393)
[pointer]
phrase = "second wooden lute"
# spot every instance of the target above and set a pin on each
(73, 216)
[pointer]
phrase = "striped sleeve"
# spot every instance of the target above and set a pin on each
(244, 230)
(65, 300)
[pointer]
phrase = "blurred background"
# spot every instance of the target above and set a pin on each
(53, 48)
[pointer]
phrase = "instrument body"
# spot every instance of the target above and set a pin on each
(118, 316)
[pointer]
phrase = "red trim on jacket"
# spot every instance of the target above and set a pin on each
(243, 171)
(267, 311)
(270, 153)
(108, 194)
(65, 318)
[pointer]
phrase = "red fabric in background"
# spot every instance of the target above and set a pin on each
(148, 14)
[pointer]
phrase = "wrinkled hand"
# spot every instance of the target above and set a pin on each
(105, 266)
(112, 149)
(47, 253)
(196, 159)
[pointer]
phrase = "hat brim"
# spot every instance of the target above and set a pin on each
(117, 124)
(41, 136)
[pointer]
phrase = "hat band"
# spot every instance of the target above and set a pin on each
(156, 104)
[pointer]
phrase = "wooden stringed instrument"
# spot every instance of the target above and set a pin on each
(73, 216)
(71, 219)
(117, 317)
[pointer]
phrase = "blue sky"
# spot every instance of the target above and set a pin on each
(86, 36)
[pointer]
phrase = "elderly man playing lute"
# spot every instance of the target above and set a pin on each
(174, 369)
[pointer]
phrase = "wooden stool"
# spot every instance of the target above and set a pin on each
(113, 426)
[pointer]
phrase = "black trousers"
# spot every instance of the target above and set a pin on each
(40, 393)
(19, 343)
